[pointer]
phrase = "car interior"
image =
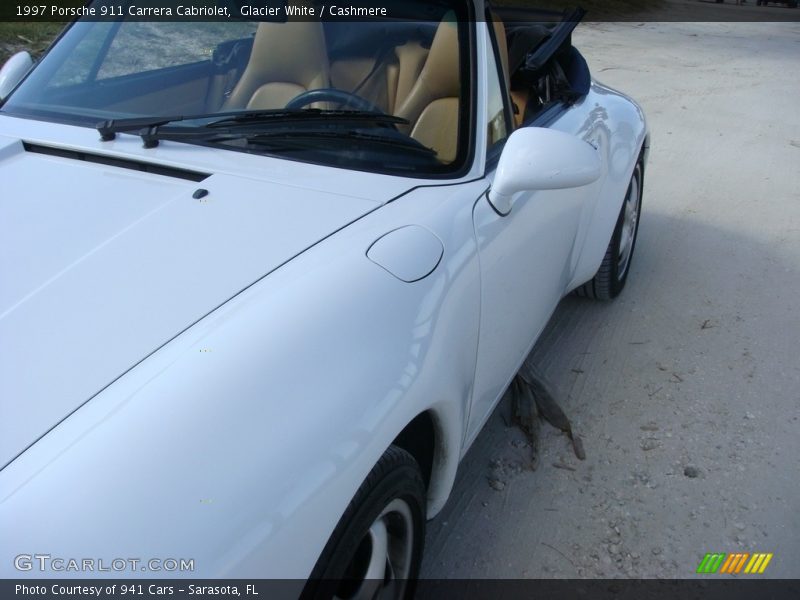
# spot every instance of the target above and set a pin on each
(406, 69)
(409, 69)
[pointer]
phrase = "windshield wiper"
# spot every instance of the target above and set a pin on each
(306, 114)
(391, 136)
(148, 127)
(108, 129)
(391, 140)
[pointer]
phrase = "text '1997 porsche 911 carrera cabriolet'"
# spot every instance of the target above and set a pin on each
(263, 282)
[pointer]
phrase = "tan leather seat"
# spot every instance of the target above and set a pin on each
(287, 59)
(411, 57)
(385, 80)
(432, 106)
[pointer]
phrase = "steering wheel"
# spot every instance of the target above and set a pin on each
(332, 95)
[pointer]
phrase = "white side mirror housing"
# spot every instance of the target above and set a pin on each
(535, 158)
(13, 71)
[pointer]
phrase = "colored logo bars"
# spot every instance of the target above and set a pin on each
(734, 563)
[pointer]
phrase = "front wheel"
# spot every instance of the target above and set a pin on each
(376, 549)
(613, 272)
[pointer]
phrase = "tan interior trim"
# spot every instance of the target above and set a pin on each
(437, 128)
(520, 100)
(411, 59)
(283, 55)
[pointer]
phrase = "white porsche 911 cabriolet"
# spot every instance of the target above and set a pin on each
(263, 282)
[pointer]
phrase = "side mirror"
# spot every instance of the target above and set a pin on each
(13, 71)
(535, 158)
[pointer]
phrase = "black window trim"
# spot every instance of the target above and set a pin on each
(493, 154)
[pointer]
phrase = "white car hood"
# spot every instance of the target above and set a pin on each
(101, 265)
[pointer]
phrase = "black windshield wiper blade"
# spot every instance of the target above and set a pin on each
(403, 141)
(148, 127)
(152, 136)
(108, 129)
(307, 114)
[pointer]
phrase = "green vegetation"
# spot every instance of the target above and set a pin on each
(31, 36)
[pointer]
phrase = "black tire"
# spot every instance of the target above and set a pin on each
(610, 278)
(394, 481)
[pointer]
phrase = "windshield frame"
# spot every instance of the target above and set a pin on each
(457, 169)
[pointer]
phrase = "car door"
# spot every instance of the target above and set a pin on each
(525, 259)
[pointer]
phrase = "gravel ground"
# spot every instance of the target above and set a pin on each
(686, 390)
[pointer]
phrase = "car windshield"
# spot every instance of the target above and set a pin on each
(196, 75)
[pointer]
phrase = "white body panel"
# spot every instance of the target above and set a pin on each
(125, 268)
(234, 417)
(548, 244)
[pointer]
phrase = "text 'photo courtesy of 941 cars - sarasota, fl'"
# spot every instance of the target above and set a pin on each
(263, 282)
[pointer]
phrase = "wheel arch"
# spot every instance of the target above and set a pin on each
(434, 448)
(418, 438)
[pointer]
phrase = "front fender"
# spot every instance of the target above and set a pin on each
(240, 443)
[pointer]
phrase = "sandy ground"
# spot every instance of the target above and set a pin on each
(695, 365)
